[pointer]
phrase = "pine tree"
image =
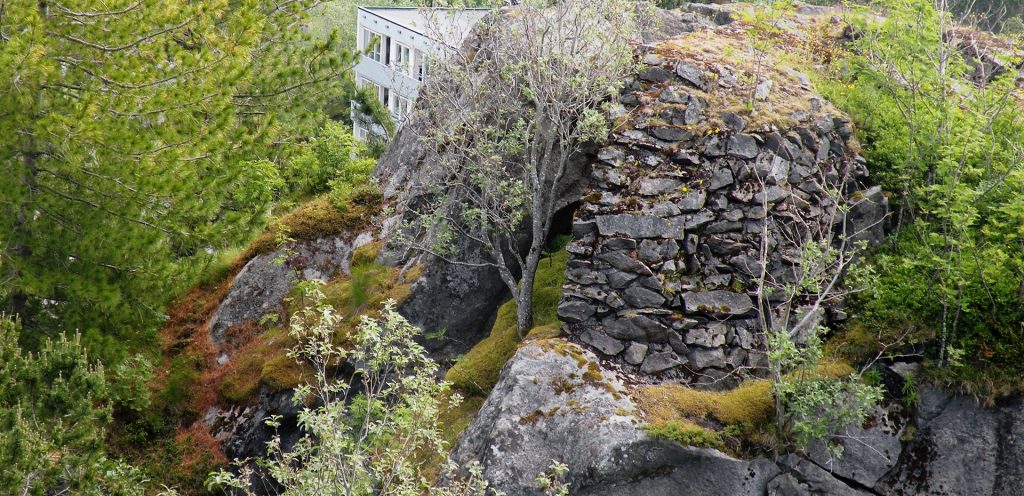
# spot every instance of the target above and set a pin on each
(134, 138)
(51, 416)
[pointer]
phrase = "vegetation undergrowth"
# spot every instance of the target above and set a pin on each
(167, 440)
(740, 421)
(947, 140)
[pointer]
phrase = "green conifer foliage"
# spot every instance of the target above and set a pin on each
(51, 416)
(134, 138)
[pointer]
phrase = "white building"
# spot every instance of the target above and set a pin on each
(402, 40)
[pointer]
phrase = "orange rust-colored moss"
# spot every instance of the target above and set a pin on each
(188, 381)
(188, 351)
(199, 452)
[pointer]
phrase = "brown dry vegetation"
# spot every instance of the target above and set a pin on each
(179, 447)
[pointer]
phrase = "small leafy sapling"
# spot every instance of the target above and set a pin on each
(364, 430)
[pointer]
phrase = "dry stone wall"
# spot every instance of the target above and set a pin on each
(666, 250)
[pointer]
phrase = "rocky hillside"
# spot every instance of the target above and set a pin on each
(721, 161)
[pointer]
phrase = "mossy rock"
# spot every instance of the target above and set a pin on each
(751, 403)
(319, 218)
(686, 433)
(477, 371)
(544, 332)
(265, 360)
(282, 372)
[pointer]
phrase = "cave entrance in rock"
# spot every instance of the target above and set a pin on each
(561, 227)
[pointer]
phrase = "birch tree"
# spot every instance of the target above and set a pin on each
(510, 113)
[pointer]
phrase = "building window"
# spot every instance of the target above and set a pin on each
(373, 41)
(402, 60)
(420, 71)
(402, 107)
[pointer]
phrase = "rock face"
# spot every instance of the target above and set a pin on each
(244, 434)
(554, 402)
(243, 429)
(262, 284)
(667, 244)
(960, 447)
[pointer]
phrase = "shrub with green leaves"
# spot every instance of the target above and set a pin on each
(815, 405)
(332, 160)
(367, 429)
(947, 139)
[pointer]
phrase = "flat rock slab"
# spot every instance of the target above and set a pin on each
(719, 302)
(260, 287)
(637, 226)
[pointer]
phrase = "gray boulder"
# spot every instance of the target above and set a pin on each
(743, 146)
(870, 450)
(958, 449)
(811, 480)
(657, 363)
(553, 402)
(718, 302)
(602, 342)
(866, 218)
(260, 287)
(636, 226)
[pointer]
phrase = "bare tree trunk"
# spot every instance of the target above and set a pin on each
(18, 302)
(524, 311)
(524, 303)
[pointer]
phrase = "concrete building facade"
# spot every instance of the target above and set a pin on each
(398, 43)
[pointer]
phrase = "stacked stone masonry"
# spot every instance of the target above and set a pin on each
(666, 249)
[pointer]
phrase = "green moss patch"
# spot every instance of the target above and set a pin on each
(318, 218)
(738, 421)
(750, 403)
(686, 433)
(262, 361)
(477, 371)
